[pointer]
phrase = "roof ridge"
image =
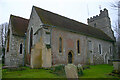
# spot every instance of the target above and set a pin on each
(55, 19)
(60, 15)
(11, 15)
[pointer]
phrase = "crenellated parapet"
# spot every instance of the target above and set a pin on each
(103, 13)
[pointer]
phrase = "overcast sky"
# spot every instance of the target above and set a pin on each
(78, 10)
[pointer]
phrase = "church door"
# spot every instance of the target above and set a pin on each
(70, 58)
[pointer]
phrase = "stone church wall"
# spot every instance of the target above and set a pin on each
(13, 57)
(70, 43)
(34, 23)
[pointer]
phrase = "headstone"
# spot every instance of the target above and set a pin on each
(71, 71)
(116, 66)
(80, 67)
(80, 70)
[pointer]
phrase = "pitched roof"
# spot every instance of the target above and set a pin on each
(53, 19)
(19, 25)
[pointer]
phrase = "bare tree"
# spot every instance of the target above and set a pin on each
(116, 6)
(3, 36)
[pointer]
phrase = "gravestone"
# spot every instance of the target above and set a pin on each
(71, 71)
(116, 66)
(80, 67)
(80, 70)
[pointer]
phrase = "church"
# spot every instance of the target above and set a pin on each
(49, 39)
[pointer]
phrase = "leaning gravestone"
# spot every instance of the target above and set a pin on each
(71, 71)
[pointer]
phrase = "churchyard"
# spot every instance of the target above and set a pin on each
(92, 71)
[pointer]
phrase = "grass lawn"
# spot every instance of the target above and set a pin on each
(28, 73)
(98, 71)
(95, 71)
(0, 71)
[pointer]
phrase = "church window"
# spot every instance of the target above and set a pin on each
(78, 46)
(60, 45)
(8, 38)
(100, 49)
(21, 48)
(31, 39)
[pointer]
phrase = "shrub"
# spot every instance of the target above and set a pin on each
(59, 70)
(80, 70)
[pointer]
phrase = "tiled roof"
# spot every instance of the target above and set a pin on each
(19, 25)
(53, 19)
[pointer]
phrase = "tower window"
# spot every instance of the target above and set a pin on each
(60, 45)
(21, 48)
(95, 25)
(78, 46)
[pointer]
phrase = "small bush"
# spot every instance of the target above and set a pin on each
(80, 70)
(59, 70)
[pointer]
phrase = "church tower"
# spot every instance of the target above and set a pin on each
(102, 21)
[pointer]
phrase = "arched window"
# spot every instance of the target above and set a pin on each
(21, 48)
(78, 46)
(31, 37)
(100, 49)
(60, 45)
(8, 39)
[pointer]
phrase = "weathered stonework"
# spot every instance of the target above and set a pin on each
(40, 40)
(40, 56)
(116, 66)
(13, 56)
(71, 71)
(15, 44)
